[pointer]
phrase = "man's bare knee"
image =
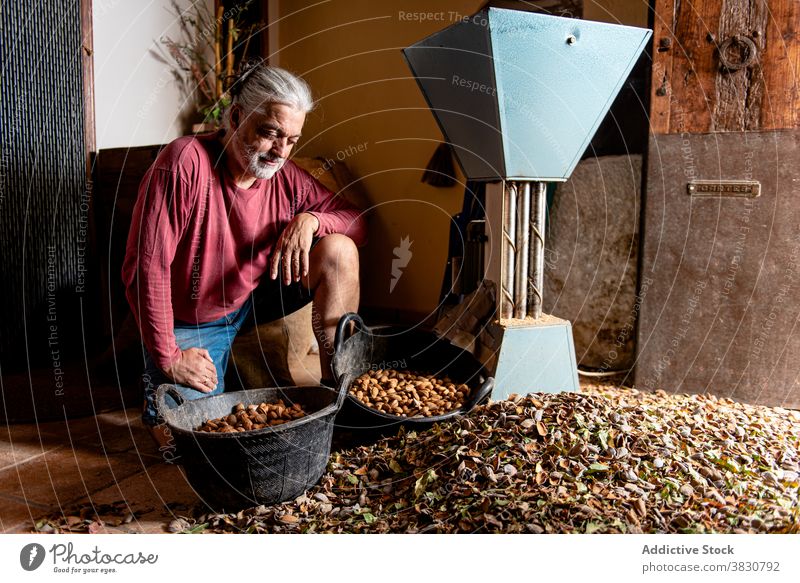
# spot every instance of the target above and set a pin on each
(337, 257)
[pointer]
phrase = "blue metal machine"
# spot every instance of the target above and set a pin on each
(520, 95)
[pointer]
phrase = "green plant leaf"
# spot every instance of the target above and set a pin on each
(593, 527)
(602, 436)
(421, 485)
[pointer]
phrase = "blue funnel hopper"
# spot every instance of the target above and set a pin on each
(520, 95)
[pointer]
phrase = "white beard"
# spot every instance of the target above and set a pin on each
(257, 163)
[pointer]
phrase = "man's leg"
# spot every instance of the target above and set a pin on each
(216, 337)
(334, 284)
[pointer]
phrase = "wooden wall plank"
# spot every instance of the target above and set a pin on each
(692, 84)
(739, 93)
(660, 95)
(693, 92)
(87, 65)
(782, 76)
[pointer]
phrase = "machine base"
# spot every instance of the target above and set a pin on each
(533, 356)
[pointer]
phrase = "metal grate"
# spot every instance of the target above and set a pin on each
(44, 203)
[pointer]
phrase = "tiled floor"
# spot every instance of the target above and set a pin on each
(109, 459)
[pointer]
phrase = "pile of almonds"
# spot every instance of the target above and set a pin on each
(249, 417)
(408, 394)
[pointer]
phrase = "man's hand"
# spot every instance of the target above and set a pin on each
(195, 369)
(291, 252)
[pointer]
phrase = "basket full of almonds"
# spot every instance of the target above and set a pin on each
(397, 376)
(258, 446)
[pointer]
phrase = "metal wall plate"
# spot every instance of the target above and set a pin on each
(720, 277)
(721, 188)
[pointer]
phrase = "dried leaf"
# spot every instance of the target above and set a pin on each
(178, 525)
(611, 460)
(421, 485)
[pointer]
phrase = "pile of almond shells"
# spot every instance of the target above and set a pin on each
(606, 460)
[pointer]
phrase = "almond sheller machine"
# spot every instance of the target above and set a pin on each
(519, 96)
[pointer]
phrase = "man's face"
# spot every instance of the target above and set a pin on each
(263, 140)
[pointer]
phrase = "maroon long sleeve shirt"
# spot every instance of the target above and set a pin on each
(198, 244)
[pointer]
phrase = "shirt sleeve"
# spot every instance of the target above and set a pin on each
(159, 220)
(334, 213)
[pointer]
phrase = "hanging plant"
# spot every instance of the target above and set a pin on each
(210, 48)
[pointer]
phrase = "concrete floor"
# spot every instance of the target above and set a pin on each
(110, 459)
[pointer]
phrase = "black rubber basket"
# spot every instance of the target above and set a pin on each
(235, 470)
(365, 348)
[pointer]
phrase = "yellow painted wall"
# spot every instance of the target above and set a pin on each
(372, 115)
(349, 51)
(629, 12)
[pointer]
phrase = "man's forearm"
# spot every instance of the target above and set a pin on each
(154, 315)
(344, 221)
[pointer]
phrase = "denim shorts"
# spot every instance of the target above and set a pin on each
(270, 301)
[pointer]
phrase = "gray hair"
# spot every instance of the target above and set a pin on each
(259, 84)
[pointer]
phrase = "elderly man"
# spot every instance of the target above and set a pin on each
(225, 229)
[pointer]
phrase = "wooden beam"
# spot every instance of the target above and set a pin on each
(87, 66)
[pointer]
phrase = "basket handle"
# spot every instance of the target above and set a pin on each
(482, 393)
(343, 329)
(162, 391)
(343, 387)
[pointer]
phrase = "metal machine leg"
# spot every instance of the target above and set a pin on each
(536, 281)
(507, 298)
(522, 256)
